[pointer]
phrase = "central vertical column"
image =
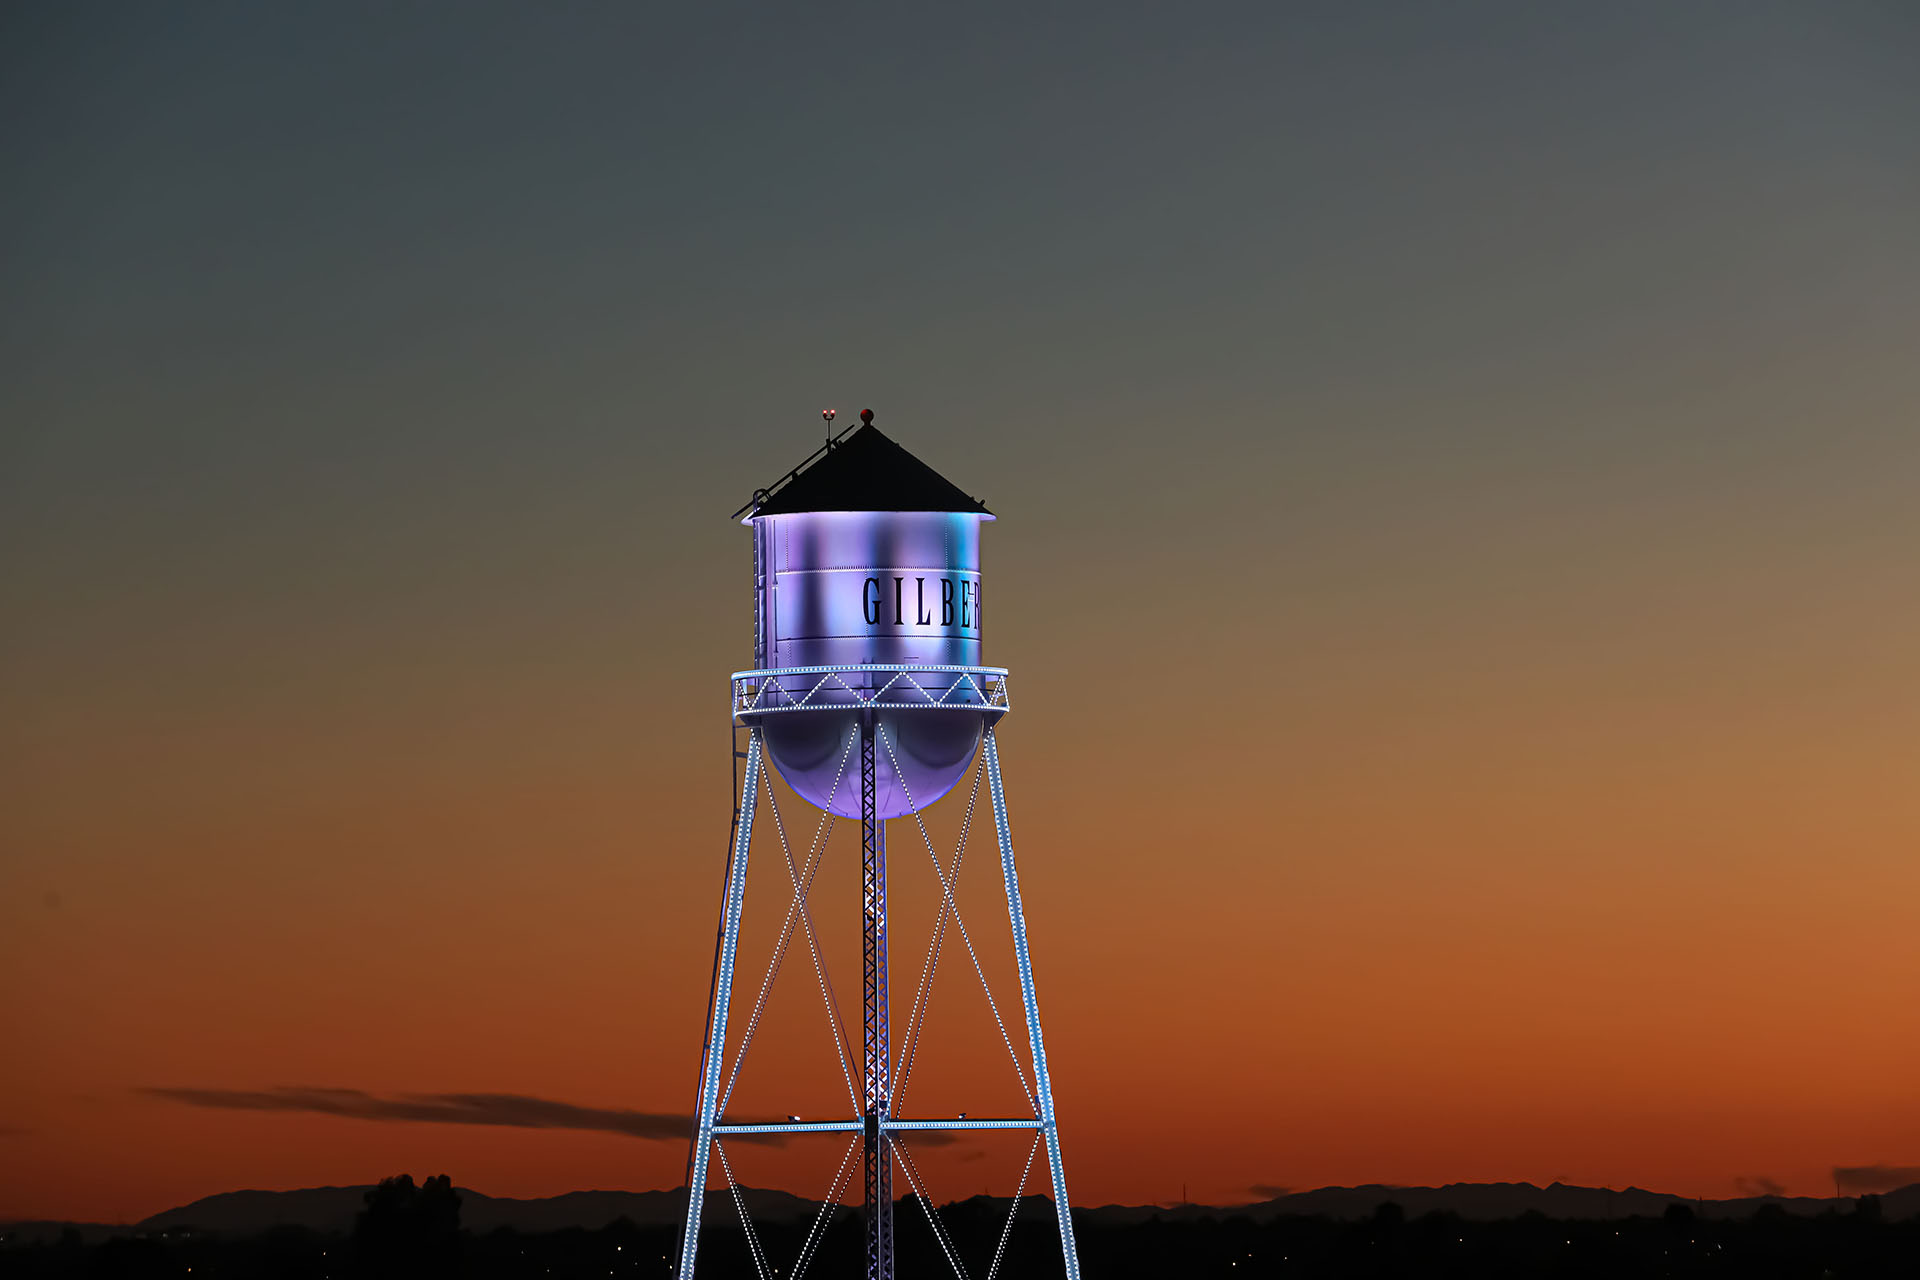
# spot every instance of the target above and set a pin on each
(879, 1047)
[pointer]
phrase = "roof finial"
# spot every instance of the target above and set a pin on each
(866, 417)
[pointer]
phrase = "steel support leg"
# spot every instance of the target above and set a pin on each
(879, 1049)
(1043, 1104)
(717, 1017)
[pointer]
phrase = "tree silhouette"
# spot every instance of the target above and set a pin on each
(410, 1231)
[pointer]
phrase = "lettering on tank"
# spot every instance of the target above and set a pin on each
(921, 601)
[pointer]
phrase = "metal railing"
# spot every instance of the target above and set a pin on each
(875, 686)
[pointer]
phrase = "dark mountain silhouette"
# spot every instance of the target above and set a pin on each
(335, 1209)
(243, 1212)
(1496, 1201)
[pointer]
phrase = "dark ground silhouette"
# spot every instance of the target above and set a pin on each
(408, 1230)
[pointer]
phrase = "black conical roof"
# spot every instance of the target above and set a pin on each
(866, 471)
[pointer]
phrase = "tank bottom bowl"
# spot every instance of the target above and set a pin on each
(933, 748)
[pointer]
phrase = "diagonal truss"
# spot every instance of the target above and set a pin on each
(796, 910)
(746, 1222)
(842, 1179)
(1013, 1210)
(950, 905)
(801, 888)
(923, 991)
(919, 1186)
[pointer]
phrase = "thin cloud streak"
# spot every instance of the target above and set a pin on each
(510, 1110)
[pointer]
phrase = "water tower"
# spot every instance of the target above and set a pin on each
(868, 696)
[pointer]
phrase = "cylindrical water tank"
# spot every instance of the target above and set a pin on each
(869, 557)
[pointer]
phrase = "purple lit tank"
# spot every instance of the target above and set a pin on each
(869, 556)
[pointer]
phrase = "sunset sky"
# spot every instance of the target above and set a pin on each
(1456, 469)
